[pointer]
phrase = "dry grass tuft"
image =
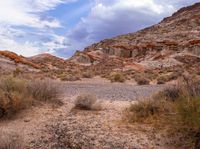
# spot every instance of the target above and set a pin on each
(166, 78)
(69, 77)
(14, 96)
(17, 94)
(87, 74)
(45, 90)
(87, 102)
(117, 77)
(142, 81)
(10, 140)
(177, 108)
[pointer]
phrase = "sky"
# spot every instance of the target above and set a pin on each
(60, 27)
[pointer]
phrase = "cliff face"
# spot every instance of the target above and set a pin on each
(174, 41)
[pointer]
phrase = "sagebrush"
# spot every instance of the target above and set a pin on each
(17, 94)
(87, 102)
(177, 108)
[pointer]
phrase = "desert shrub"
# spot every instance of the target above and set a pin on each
(17, 72)
(191, 86)
(117, 77)
(45, 90)
(142, 110)
(10, 140)
(177, 108)
(171, 93)
(142, 81)
(69, 77)
(147, 75)
(45, 70)
(188, 112)
(160, 81)
(14, 95)
(17, 94)
(166, 78)
(87, 74)
(87, 102)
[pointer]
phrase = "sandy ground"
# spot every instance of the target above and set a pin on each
(104, 90)
(45, 127)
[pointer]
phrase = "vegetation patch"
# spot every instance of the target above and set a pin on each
(17, 94)
(87, 74)
(142, 81)
(176, 108)
(10, 140)
(117, 77)
(45, 90)
(87, 102)
(14, 95)
(166, 78)
(69, 77)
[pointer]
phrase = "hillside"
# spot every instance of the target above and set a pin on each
(10, 62)
(172, 44)
(159, 53)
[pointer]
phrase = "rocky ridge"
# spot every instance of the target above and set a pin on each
(174, 42)
(171, 46)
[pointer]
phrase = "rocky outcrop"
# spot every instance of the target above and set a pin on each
(17, 59)
(157, 45)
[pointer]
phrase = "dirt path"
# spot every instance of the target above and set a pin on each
(44, 127)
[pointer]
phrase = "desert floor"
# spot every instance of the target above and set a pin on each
(47, 127)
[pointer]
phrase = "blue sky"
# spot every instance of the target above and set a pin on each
(60, 27)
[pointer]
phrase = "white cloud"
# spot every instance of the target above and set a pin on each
(26, 29)
(27, 12)
(16, 15)
(27, 48)
(9, 40)
(115, 17)
(108, 19)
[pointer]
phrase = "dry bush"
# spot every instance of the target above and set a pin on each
(87, 74)
(141, 110)
(87, 102)
(171, 93)
(14, 95)
(142, 78)
(45, 90)
(142, 81)
(17, 94)
(10, 140)
(17, 72)
(69, 77)
(146, 110)
(191, 86)
(177, 108)
(117, 77)
(161, 81)
(166, 78)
